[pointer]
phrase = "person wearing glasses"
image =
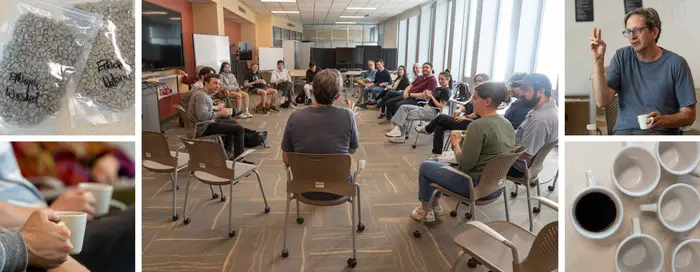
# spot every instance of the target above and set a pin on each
(648, 80)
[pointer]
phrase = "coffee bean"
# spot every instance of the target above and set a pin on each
(108, 79)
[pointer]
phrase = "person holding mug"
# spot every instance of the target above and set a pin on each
(653, 84)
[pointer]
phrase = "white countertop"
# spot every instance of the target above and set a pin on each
(583, 254)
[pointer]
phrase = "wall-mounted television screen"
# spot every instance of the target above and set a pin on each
(161, 38)
(245, 51)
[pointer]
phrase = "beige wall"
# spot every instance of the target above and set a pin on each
(390, 30)
(208, 18)
(282, 23)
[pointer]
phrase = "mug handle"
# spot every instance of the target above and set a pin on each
(694, 173)
(636, 227)
(590, 178)
(648, 207)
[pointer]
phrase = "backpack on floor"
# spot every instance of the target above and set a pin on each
(252, 138)
(301, 98)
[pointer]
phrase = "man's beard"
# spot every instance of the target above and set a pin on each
(531, 102)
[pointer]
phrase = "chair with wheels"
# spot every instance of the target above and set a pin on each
(493, 179)
(323, 173)
(531, 174)
(210, 165)
(191, 132)
(505, 246)
(158, 158)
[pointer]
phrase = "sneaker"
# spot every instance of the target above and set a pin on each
(418, 214)
(395, 132)
(397, 140)
(284, 105)
(275, 109)
(434, 157)
(438, 211)
(421, 130)
(371, 102)
(381, 116)
(308, 102)
(247, 114)
(241, 116)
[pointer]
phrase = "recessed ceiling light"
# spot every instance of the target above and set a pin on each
(282, 1)
(346, 23)
(154, 13)
(352, 17)
(285, 11)
(361, 8)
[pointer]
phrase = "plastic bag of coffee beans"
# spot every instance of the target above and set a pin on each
(42, 48)
(106, 91)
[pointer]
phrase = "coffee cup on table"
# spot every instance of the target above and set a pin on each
(635, 171)
(639, 252)
(678, 208)
(686, 256)
(679, 158)
(597, 211)
(102, 194)
(643, 120)
(75, 222)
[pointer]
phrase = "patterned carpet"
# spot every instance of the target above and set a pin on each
(322, 243)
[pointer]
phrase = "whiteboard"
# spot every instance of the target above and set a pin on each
(269, 57)
(677, 35)
(211, 50)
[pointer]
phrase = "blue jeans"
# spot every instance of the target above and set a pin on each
(431, 172)
(381, 103)
(375, 89)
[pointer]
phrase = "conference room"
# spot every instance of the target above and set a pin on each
(631, 71)
(250, 135)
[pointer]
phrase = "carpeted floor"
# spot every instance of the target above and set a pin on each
(322, 243)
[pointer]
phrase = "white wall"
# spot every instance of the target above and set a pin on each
(678, 34)
(390, 31)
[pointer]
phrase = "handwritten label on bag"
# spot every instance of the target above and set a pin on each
(320, 185)
(202, 165)
(26, 83)
(109, 78)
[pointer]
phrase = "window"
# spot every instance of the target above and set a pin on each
(471, 36)
(501, 54)
(487, 36)
(412, 40)
(440, 29)
(551, 43)
(524, 50)
(403, 26)
(424, 37)
(457, 38)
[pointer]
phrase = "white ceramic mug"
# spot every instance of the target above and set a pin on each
(102, 194)
(635, 171)
(686, 256)
(639, 252)
(592, 188)
(75, 222)
(643, 119)
(678, 208)
(679, 158)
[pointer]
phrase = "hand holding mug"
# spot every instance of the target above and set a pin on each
(48, 243)
(455, 138)
(655, 120)
(76, 200)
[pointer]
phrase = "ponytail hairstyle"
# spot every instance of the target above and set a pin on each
(447, 75)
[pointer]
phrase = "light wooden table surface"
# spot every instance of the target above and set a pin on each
(583, 254)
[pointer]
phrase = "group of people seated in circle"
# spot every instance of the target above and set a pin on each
(530, 121)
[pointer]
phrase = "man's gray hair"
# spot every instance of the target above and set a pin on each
(370, 61)
(327, 85)
(651, 17)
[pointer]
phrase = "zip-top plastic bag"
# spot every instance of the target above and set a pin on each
(42, 47)
(106, 91)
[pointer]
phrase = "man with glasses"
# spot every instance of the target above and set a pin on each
(648, 80)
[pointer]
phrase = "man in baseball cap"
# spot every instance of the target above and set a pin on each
(541, 125)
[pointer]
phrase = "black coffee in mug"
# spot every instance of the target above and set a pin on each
(595, 212)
